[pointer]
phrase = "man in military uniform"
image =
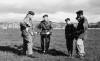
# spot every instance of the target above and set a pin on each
(81, 32)
(45, 28)
(26, 28)
(69, 35)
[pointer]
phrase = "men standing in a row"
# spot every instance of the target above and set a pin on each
(81, 32)
(69, 35)
(45, 27)
(26, 28)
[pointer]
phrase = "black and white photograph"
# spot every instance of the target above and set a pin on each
(49, 30)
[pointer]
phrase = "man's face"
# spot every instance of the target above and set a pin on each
(31, 16)
(78, 15)
(46, 18)
(68, 22)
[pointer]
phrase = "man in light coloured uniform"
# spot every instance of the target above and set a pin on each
(27, 30)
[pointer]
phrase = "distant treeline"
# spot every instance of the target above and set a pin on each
(94, 25)
(54, 24)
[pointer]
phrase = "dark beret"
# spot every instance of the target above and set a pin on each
(67, 19)
(45, 15)
(31, 12)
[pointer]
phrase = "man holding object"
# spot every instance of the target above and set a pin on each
(81, 32)
(45, 28)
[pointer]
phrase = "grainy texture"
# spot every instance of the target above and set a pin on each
(10, 42)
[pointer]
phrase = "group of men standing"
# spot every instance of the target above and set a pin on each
(74, 33)
(28, 33)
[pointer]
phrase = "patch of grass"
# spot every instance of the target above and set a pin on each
(11, 41)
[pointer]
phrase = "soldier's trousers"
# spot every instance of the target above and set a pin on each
(45, 41)
(27, 45)
(80, 47)
(69, 44)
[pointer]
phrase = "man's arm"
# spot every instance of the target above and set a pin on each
(27, 22)
(85, 24)
(38, 28)
(51, 27)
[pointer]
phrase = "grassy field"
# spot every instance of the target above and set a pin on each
(11, 39)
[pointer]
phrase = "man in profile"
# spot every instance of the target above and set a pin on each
(26, 28)
(45, 28)
(81, 32)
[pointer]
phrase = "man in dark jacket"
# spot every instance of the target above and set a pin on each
(81, 32)
(45, 27)
(69, 35)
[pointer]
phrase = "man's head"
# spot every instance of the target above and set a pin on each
(30, 13)
(79, 13)
(67, 19)
(45, 17)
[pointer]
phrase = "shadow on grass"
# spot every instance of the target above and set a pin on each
(15, 49)
(18, 50)
(55, 52)
(52, 52)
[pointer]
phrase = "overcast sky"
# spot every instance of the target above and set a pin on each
(58, 10)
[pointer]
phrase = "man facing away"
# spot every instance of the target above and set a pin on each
(26, 28)
(81, 32)
(69, 35)
(45, 28)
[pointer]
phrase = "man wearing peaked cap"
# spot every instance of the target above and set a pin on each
(79, 12)
(81, 32)
(31, 12)
(45, 27)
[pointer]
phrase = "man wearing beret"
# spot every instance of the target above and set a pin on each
(69, 35)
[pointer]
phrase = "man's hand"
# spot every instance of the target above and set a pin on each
(37, 33)
(48, 33)
(27, 29)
